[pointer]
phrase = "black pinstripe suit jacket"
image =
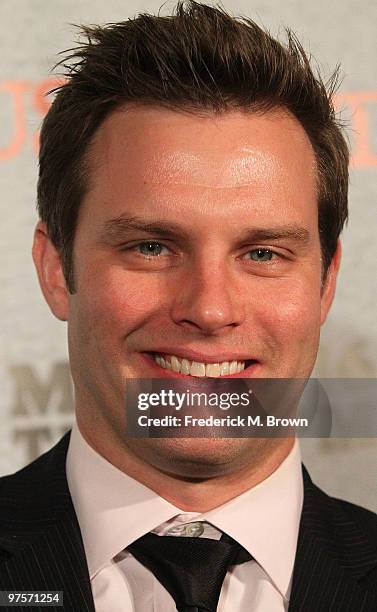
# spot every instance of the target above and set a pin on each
(41, 546)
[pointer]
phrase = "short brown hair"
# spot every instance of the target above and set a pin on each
(198, 59)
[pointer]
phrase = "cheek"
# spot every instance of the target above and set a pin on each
(291, 311)
(117, 302)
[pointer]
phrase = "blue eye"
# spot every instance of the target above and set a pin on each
(261, 255)
(150, 249)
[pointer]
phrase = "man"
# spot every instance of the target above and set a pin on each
(193, 186)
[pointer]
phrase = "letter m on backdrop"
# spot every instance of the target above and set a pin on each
(36, 397)
(41, 409)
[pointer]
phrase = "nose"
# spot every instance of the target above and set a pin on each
(208, 300)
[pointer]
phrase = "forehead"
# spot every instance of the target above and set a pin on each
(175, 144)
(152, 155)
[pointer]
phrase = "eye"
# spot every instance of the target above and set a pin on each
(261, 255)
(150, 248)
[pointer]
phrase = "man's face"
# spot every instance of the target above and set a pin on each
(197, 241)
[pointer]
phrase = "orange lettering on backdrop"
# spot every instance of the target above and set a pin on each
(362, 154)
(16, 89)
(359, 102)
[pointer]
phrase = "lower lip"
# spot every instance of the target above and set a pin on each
(248, 372)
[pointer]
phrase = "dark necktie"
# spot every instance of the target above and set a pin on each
(191, 569)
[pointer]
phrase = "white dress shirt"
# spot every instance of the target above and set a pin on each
(114, 510)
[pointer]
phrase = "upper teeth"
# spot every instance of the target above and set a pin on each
(197, 368)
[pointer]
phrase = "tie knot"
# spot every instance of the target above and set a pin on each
(191, 569)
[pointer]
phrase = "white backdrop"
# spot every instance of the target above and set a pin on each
(36, 400)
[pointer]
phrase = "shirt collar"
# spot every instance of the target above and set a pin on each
(114, 510)
(265, 520)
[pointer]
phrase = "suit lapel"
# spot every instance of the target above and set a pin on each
(335, 560)
(40, 540)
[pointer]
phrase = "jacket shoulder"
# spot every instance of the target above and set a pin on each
(318, 504)
(37, 489)
(364, 518)
(347, 532)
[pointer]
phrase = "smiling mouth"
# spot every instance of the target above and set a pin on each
(198, 368)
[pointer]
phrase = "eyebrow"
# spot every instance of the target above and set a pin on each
(116, 229)
(293, 233)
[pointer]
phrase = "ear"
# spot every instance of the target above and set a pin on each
(329, 285)
(50, 274)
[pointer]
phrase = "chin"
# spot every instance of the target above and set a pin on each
(199, 458)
